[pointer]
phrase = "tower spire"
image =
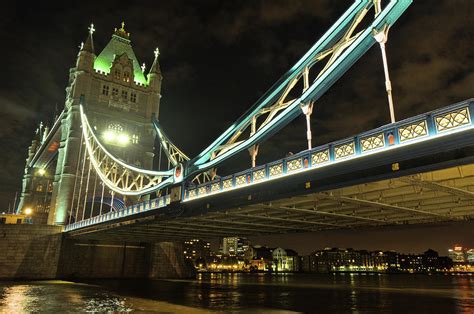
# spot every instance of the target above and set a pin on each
(89, 44)
(155, 67)
(122, 32)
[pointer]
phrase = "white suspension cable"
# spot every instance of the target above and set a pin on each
(87, 190)
(75, 178)
(93, 195)
(80, 185)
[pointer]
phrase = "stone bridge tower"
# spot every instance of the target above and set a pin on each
(119, 100)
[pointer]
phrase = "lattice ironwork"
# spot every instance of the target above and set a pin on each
(227, 184)
(294, 165)
(320, 157)
(259, 175)
(192, 193)
(412, 131)
(344, 150)
(202, 190)
(372, 142)
(215, 187)
(275, 170)
(452, 120)
(116, 174)
(241, 180)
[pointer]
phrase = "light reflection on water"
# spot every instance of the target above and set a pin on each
(246, 293)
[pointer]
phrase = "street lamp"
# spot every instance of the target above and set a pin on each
(28, 211)
(41, 171)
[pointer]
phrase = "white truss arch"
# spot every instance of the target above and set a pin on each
(117, 175)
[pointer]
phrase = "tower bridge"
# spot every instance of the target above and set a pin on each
(93, 171)
(423, 176)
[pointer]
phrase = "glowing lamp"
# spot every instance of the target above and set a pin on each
(109, 136)
(28, 211)
(41, 172)
(123, 139)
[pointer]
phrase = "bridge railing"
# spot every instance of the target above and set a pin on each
(145, 206)
(454, 118)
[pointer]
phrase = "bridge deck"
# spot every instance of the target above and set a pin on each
(436, 196)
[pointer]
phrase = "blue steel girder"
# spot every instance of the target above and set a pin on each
(345, 49)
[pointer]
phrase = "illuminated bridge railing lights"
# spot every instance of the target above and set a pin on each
(145, 206)
(451, 119)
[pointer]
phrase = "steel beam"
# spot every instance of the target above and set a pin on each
(435, 186)
(362, 202)
(324, 213)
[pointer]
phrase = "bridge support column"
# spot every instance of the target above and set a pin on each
(167, 261)
(63, 187)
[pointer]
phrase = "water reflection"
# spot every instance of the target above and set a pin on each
(249, 293)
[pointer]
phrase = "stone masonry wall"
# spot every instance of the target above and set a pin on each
(167, 261)
(44, 252)
(99, 259)
(29, 251)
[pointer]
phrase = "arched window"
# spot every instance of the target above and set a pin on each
(133, 97)
(135, 139)
(117, 74)
(117, 127)
(105, 90)
(126, 77)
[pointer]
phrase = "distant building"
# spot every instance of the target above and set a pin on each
(470, 256)
(337, 259)
(457, 254)
(235, 246)
(13, 219)
(285, 260)
(195, 248)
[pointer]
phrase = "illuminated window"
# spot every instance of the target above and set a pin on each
(105, 90)
(117, 74)
(126, 77)
(133, 97)
(39, 188)
(135, 139)
(115, 127)
(114, 91)
(124, 94)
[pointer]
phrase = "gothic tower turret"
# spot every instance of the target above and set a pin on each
(118, 101)
(86, 55)
(154, 81)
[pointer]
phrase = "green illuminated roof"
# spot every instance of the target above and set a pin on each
(117, 46)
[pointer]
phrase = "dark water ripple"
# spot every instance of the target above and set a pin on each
(246, 293)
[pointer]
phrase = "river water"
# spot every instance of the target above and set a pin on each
(247, 293)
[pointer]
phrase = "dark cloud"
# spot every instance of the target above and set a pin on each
(218, 57)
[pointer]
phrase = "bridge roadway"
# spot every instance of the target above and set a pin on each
(419, 170)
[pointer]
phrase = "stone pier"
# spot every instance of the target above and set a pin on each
(167, 261)
(29, 251)
(44, 252)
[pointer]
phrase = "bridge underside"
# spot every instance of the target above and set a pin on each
(435, 196)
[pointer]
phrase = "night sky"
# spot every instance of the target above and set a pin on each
(218, 57)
